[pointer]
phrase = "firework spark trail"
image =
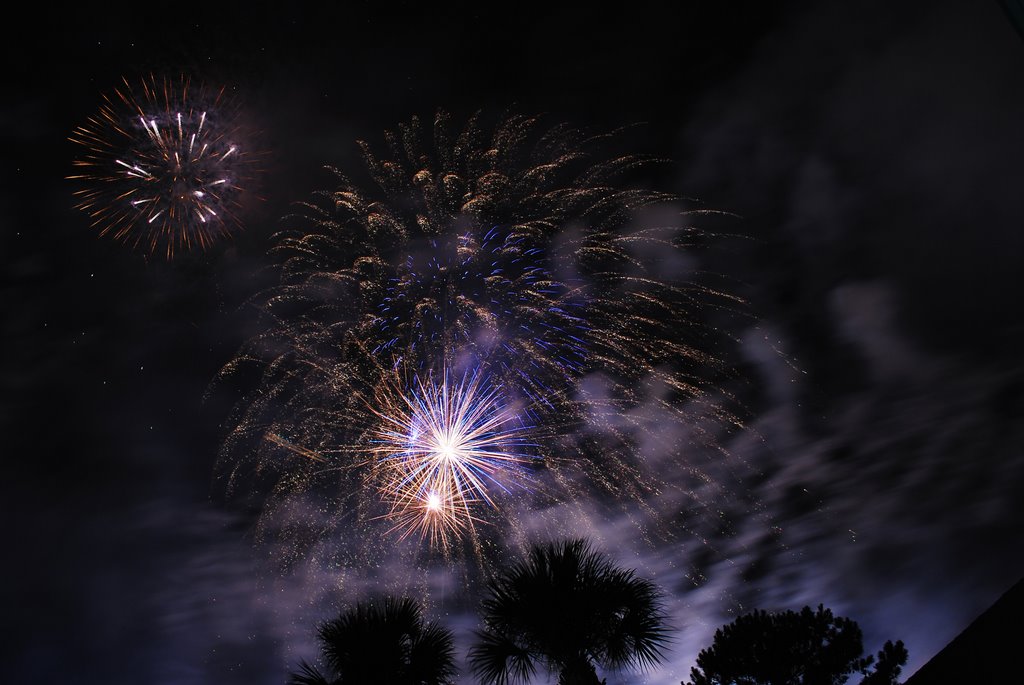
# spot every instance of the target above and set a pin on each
(516, 253)
(161, 168)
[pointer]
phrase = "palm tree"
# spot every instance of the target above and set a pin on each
(383, 641)
(570, 609)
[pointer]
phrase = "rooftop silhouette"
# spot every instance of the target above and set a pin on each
(986, 651)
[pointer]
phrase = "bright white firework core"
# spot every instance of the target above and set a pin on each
(443, 450)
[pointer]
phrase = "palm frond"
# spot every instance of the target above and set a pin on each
(308, 675)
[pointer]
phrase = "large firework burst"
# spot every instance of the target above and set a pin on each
(520, 255)
(164, 166)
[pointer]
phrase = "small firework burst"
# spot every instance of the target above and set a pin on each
(442, 449)
(163, 166)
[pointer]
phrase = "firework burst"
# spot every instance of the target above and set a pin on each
(521, 256)
(163, 167)
(442, 449)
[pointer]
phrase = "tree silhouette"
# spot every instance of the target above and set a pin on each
(789, 648)
(891, 659)
(384, 641)
(570, 609)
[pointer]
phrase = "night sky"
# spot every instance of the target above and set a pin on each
(869, 164)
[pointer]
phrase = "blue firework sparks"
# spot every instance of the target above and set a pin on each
(490, 291)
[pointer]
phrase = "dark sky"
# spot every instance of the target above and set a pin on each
(871, 160)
